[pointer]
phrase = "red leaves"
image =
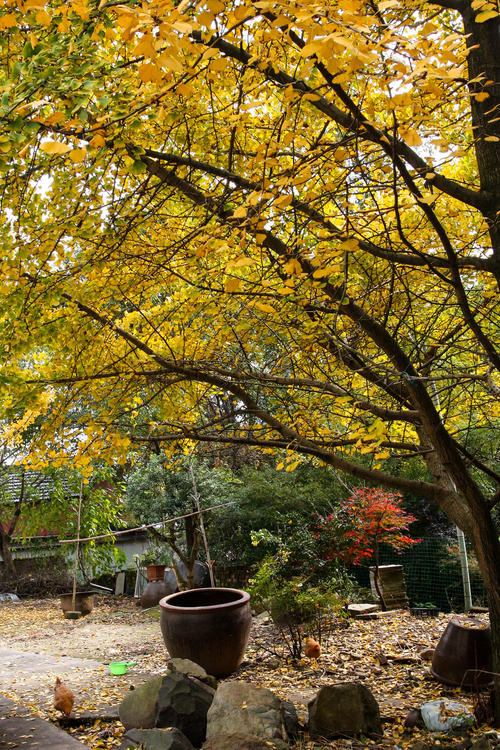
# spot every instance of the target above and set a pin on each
(371, 516)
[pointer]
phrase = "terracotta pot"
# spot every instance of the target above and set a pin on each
(155, 572)
(153, 592)
(209, 626)
(84, 602)
(463, 655)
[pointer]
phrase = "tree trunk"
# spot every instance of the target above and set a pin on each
(484, 70)
(8, 560)
(487, 550)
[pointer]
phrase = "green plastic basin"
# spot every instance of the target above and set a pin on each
(120, 667)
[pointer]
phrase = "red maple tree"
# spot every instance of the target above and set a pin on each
(369, 518)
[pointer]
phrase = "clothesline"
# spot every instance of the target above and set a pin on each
(146, 526)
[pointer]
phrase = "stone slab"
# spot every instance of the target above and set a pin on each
(26, 664)
(355, 610)
(19, 728)
(380, 615)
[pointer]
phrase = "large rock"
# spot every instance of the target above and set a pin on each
(346, 709)
(188, 667)
(183, 702)
(240, 708)
(242, 742)
(446, 716)
(290, 719)
(156, 739)
(138, 708)
(200, 571)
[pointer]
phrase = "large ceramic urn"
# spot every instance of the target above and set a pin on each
(463, 655)
(209, 626)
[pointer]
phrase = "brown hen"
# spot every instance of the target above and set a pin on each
(63, 698)
(312, 649)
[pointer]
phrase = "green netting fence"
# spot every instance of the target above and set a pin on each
(431, 569)
(432, 574)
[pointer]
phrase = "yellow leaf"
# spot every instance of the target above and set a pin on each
(320, 273)
(97, 141)
(220, 64)
(265, 307)
(481, 96)
(24, 150)
(149, 72)
(232, 285)
(184, 89)
(311, 49)
(172, 63)
(243, 261)
(183, 27)
(146, 46)
(43, 18)
(8, 21)
(240, 213)
(350, 245)
(293, 267)
(340, 154)
(215, 6)
(492, 138)
(410, 136)
(283, 201)
(55, 147)
(77, 155)
(486, 15)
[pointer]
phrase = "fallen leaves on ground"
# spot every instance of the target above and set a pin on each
(383, 654)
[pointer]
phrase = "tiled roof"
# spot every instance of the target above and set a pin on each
(37, 486)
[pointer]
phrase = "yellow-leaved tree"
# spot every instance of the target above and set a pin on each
(262, 223)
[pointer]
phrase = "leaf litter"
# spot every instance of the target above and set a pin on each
(381, 653)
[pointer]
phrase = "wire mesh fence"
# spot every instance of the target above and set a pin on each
(431, 571)
(432, 574)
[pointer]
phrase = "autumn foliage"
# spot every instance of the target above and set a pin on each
(264, 223)
(371, 516)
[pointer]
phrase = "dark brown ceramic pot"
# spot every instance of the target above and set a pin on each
(84, 602)
(463, 655)
(209, 626)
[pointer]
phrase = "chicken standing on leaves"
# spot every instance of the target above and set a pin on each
(63, 698)
(312, 649)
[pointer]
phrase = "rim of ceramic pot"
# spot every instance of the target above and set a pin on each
(167, 602)
(79, 593)
(477, 627)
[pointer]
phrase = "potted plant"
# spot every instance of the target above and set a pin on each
(155, 560)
